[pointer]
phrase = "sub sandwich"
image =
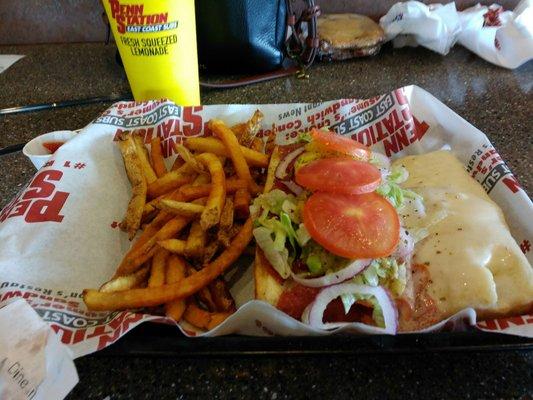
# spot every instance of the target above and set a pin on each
(344, 236)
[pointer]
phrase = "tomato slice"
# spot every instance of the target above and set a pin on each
(294, 300)
(352, 226)
(331, 142)
(53, 146)
(339, 175)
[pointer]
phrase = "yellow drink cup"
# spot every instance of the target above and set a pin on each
(157, 43)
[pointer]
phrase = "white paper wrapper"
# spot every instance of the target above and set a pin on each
(33, 362)
(7, 60)
(61, 235)
(503, 38)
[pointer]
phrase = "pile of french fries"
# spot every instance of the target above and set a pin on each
(195, 223)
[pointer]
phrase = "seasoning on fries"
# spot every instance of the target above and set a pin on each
(192, 224)
(132, 162)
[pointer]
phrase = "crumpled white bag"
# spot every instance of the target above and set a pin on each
(500, 37)
(503, 38)
(413, 23)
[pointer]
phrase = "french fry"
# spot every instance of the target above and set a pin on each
(210, 251)
(215, 201)
(203, 295)
(215, 146)
(195, 244)
(178, 162)
(134, 212)
(203, 319)
(201, 179)
(138, 255)
(226, 222)
(235, 152)
(171, 180)
(175, 246)
(275, 159)
(247, 130)
(188, 158)
(233, 231)
(221, 295)
(142, 153)
(149, 297)
(176, 270)
(157, 273)
(257, 144)
(242, 203)
(191, 192)
(180, 207)
(151, 206)
(126, 282)
(271, 140)
(156, 224)
(158, 162)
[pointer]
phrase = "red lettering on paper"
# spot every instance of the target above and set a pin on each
(41, 188)
(506, 322)
(64, 333)
(119, 325)
(512, 183)
(47, 210)
(39, 203)
(10, 295)
(489, 324)
(192, 122)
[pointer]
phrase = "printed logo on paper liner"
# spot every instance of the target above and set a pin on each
(487, 167)
(41, 200)
(169, 122)
(383, 119)
(69, 319)
(502, 324)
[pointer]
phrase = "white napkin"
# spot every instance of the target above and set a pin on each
(34, 364)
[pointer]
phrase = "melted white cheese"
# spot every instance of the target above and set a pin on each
(470, 254)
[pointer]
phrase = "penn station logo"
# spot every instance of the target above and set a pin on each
(132, 18)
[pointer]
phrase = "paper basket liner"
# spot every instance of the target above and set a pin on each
(61, 235)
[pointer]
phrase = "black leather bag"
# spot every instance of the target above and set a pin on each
(241, 35)
(252, 36)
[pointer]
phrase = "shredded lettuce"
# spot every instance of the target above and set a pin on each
(386, 272)
(302, 235)
(392, 191)
(279, 259)
(328, 262)
(278, 222)
(305, 137)
(349, 299)
(289, 230)
(272, 201)
(314, 263)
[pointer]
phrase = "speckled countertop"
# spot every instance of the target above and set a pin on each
(497, 101)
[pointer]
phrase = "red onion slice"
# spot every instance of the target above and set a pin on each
(315, 312)
(281, 171)
(333, 278)
(293, 187)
